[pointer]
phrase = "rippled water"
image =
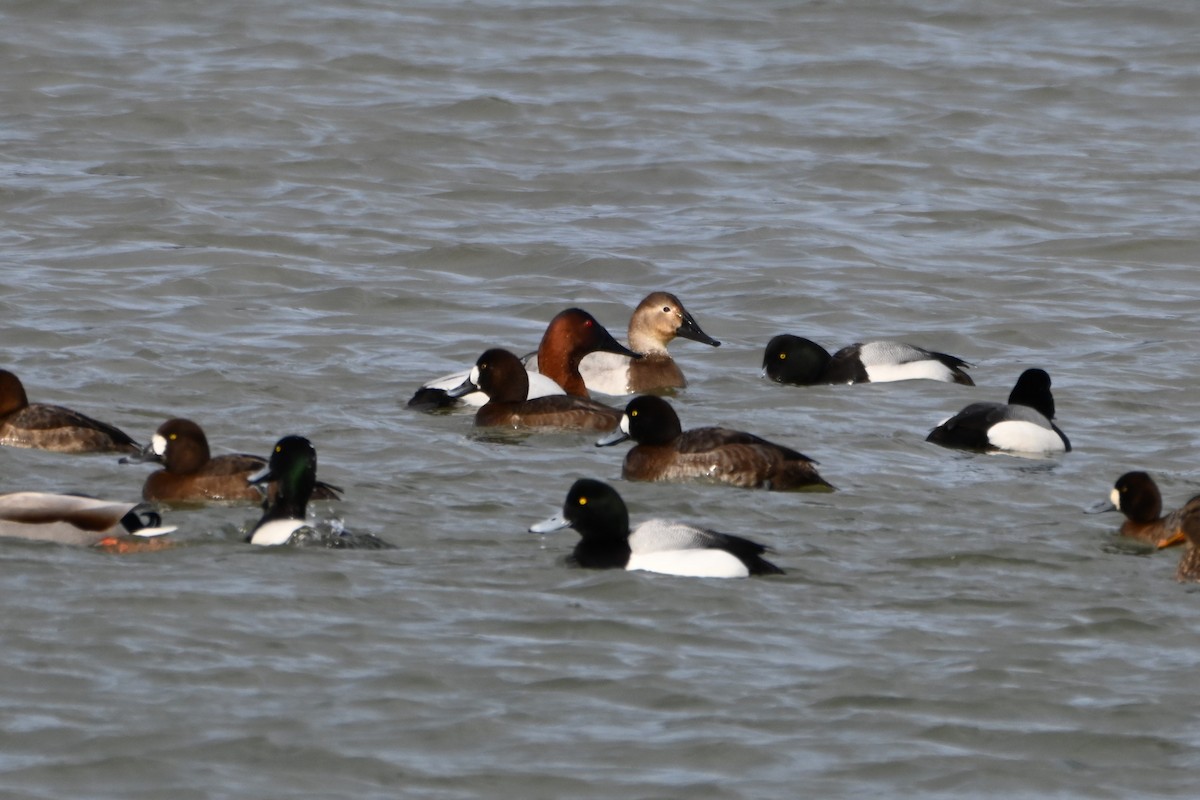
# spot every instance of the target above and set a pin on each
(278, 217)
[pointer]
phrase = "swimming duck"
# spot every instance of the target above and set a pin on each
(656, 321)
(1189, 562)
(47, 427)
(76, 520)
(501, 376)
(1136, 495)
(796, 360)
(191, 474)
(666, 452)
(1024, 425)
(292, 469)
(571, 335)
(599, 516)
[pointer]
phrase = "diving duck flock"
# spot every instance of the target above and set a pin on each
(550, 390)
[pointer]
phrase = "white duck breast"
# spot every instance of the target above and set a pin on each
(672, 548)
(277, 532)
(896, 361)
(607, 373)
(1026, 435)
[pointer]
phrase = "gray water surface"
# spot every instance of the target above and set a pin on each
(277, 217)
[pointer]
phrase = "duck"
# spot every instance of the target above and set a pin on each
(48, 427)
(657, 320)
(502, 378)
(1136, 495)
(666, 452)
(600, 517)
(1024, 425)
(571, 335)
(796, 360)
(1189, 563)
(292, 469)
(192, 475)
(79, 520)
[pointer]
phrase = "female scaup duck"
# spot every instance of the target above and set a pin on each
(796, 360)
(599, 515)
(500, 376)
(657, 320)
(48, 427)
(666, 452)
(77, 520)
(1024, 425)
(571, 335)
(1189, 562)
(191, 474)
(1136, 495)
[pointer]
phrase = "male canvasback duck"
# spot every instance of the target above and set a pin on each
(571, 335)
(599, 516)
(47, 427)
(1136, 495)
(77, 520)
(666, 452)
(656, 321)
(502, 378)
(191, 474)
(1024, 425)
(796, 360)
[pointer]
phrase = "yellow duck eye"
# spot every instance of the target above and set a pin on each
(633, 413)
(783, 356)
(583, 501)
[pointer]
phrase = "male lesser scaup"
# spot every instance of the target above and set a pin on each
(599, 516)
(796, 360)
(1024, 425)
(78, 520)
(191, 474)
(501, 376)
(656, 321)
(571, 335)
(47, 427)
(666, 452)
(292, 468)
(1136, 495)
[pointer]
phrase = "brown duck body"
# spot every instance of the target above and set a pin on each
(724, 455)
(665, 452)
(191, 474)
(49, 427)
(502, 378)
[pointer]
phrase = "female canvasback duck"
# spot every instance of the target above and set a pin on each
(501, 376)
(1024, 425)
(77, 520)
(1136, 495)
(292, 468)
(656, 321)
(191, 474)
(796, 360)
(46, 427)
(666, 452)
(571, 335)
(599, 516)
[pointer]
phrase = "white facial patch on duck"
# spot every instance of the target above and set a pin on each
(159, 444)
(1115, 497)
(474, 376)
(624, 426)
